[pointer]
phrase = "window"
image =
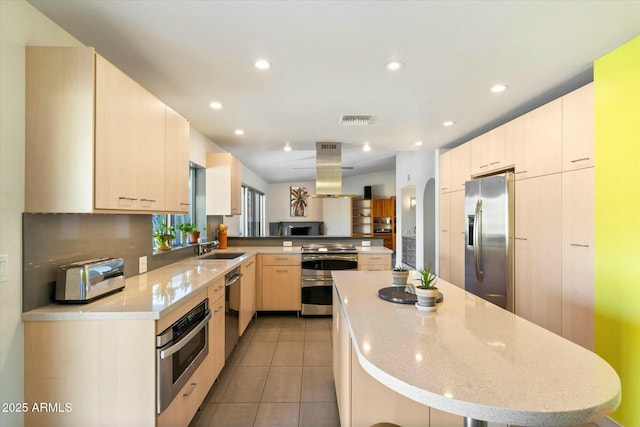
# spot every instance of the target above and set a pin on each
(252, 220)
(174, 220)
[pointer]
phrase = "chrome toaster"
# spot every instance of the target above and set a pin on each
(87, 280)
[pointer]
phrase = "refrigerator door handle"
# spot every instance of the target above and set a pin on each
(477, 239)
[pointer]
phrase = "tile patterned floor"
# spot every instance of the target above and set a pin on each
(279, 375)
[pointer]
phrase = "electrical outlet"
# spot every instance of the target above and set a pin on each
(4, 267)
(287, 243)
(142, 264)
(366, 243)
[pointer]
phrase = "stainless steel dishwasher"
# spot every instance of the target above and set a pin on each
(232, 300)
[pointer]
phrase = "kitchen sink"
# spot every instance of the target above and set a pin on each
(222, 255)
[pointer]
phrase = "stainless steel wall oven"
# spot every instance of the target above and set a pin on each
(317, 263)
(180, 349)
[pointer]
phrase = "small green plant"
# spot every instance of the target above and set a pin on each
(164, 234)
(427, 278)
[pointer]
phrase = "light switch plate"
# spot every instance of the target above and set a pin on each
(4, 267)
(287, 243)
(366, 243)
(142, 264)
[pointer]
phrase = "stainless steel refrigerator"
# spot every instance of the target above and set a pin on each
(489, 224)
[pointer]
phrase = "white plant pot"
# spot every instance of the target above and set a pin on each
(400, 278)
(426, 297)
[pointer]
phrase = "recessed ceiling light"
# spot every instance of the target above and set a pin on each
(448, 123)
(498, 88)
(418, 143)
(394, 65)
(366, 147)
(287, 146)
(215, 105)
(239, 132)
(262, 64)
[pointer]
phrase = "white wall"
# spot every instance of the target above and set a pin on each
(415, 168)
(383, 184)
(278, 203)
(337, 216)
(20, 25)
(199, 146)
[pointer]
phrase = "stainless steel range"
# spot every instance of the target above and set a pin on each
(318, 260)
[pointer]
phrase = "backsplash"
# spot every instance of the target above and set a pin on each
(53, 240)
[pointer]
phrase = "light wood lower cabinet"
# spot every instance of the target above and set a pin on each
(341, 362)
(538, 254)
(281, 282)
(247, 294)
(216, 327)
(374, 262)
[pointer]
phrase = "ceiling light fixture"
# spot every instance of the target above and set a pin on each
(239, 132)
(448, 123)
(394, 65)
(418, 143)
(287, 146)
(262, 64)
(366, 147)
(215, 105)
(498, 88)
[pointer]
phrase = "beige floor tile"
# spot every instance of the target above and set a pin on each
(234, 415)
(267, 333)
(220, 386)
(317, 335)
(203, 416)
(258, 353)
(288, 353)
(246, 385)
(317, 384)
(270, 320)
(319, 414)
(278, 415)
(318, 353)
(318, 324)
(283, 384)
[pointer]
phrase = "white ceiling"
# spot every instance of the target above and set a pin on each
(328, 58)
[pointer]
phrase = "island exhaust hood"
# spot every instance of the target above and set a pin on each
(329, 170)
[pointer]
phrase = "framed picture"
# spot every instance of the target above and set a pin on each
(298, 201)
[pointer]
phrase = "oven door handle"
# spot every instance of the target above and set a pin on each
(330, 257)
(317, 279)
(233, 280)
(185, 340)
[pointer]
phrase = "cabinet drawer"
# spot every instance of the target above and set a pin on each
(281, 259)
(216, 290)
(383, 260)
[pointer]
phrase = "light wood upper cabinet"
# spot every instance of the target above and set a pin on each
(577, 129)
(95, 139)
(445, 172)
(492, 151)
(578, 257)
(177, 163)
(538, 253)
(224, 184)
(539, 151)
(460, 166)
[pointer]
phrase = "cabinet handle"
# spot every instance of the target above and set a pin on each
(578, 245)
(282, 271)
(185, 204)
(281, 258)
(484, 166)
(444, 231)
(127, 198)
(494, 163)
(521, 238)
(443, 188)
(580, 160)
(148, 200)
(219, 309)
(219, 288)
(193, 387)
(517, 173)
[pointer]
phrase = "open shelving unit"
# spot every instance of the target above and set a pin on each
(375, 218)
(362, 219)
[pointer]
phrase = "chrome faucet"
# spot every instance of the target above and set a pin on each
(206, 247)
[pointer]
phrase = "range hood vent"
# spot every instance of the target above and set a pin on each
(329, 170)
(357, 119)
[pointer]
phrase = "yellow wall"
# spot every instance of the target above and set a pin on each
(617, 221)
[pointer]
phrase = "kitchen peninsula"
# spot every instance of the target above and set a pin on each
(470, 358)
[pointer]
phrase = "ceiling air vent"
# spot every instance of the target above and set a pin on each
(357, 119)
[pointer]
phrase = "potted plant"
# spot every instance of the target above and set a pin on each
(426, 291)
(191, 230)
(163, 235)
(400, 275)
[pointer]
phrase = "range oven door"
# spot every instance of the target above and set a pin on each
(322, 265)
(317, 282)
(180, 349)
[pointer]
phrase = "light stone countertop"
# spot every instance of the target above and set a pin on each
(152, 295)
(474, 359)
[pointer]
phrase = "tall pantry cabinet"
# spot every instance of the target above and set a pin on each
(550, 150)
